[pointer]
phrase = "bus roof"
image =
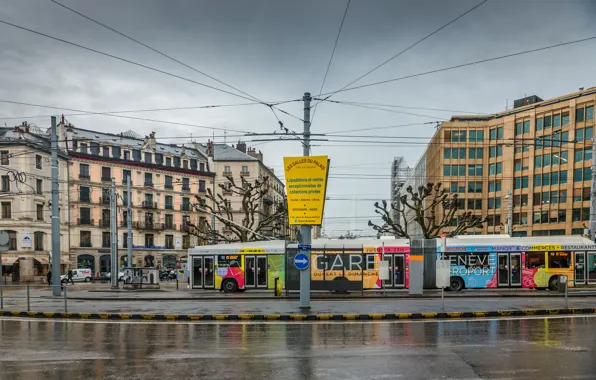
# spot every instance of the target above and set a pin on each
(354, 243)
(266, 246)
(521, 243)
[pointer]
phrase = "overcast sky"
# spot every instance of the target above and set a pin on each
(277, 50)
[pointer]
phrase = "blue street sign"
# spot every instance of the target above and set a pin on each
(304, 247)
(301, 261)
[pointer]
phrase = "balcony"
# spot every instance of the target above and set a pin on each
(106, 179)
(185, 188)
(185, 207)
(84, 176)
(184, 227)
(148, 183)
(148, 226)
(104, 200)
(149, 204)
(168, 186)
(104, 223)
(227, 173)
(170, 226)
(202, 189)
(268, 199)
(169, 206)
(85, 243)
(124, 181)
(84, 199)
(244, 173)
(85, 222)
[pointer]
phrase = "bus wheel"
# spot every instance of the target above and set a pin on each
(553, 283)
(457, 284)
(229, 286)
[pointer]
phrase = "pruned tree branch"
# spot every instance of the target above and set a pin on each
(433, 210)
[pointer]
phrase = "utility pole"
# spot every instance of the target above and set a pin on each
(129, 221)
(510, 212)
(592, 225)
(305, 230)
(114, 234)
(56, 289)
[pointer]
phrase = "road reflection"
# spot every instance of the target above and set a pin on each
(44, 349)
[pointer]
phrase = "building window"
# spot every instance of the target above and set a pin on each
(185, 204)
(38, 162)
(106, 239)
(159, 158)
(105, 151)
(185, 164)
(85, 239)
(169, 202)
(38, 240)
(227, 170)
(84, 194)
(245, 170)
(85, 215)
(39, 209)
(202, 188)
(169, 184)
(176, 162)
(185, 241)
(84, 171)
(106, 173)
(169, 221)
(148, 179)
(4, 160)
(517, 165)
(170, 241)
(38, 186)
(6, 210)
(492, 134)
(556, 121)
(126, 174)
(12, 240)
(185, 184)
(125, 240)
(168, 161)
(149, 242)
(202, 166)
(148, 157)
(565, 118)
(83, 148)
(539, 124)
(127, 155)
(590, 113)
(5, 183)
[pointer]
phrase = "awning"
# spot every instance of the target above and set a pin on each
(64, 260)
(9, 259)
(42, 260)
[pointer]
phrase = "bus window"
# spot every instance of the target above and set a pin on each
(228, 261)
(535, 260)
(559, 260)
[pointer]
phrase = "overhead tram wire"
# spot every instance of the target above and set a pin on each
(153, 110)
(270, 105)
(121, 116)
(465, 65)
(331, 58)
(136, 64)
(409, 107)
(329, 95)
(380, 109)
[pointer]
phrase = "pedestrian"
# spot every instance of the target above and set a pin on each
(69, 277)
(49, 277)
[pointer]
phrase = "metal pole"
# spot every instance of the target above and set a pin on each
(55, 212)
(65, 299)
(443, 298)
(383, 259)
(1, 298)
(113, 217)
(129, 222)
(28, 299)
(510, 212)
(305, 231)
(592, 224)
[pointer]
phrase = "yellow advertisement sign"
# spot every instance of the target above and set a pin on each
(306, 183)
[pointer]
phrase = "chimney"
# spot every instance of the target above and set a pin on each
(183, 150)
(241, 146)
(251, 152)
(69, 137)
(26, 127)
(260, 156)
(210, 148)
(150, 141)
(581, 88)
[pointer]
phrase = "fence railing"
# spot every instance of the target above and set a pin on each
(22, 294)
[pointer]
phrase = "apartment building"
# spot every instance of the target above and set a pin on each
(25, 194)
(165, 179)
(537, 156)
(239, 162)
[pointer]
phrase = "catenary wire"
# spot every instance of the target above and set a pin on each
(404, 50)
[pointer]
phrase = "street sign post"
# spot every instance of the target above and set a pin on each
(301, 261)
(443, 277)
(304, 247)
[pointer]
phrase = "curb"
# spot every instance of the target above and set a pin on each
(295, 317)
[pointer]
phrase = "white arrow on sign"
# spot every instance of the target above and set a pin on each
(303, 261)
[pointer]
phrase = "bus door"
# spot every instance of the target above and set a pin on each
(580, 268)
(509, 269)
(203, 272)
(397, 270)
(591, 268)
(255, 271)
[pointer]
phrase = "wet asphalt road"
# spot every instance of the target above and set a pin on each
(541, 348)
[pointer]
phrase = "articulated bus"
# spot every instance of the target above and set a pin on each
(477, 262)
(237, 266)
(493, 262)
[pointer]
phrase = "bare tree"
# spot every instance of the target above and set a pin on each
(433, 209)
(255, 220)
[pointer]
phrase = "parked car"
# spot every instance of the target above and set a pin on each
(79, 275)
(120, 275)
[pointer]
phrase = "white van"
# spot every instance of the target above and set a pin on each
(79, 275)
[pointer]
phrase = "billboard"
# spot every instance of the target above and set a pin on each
(306, 184)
